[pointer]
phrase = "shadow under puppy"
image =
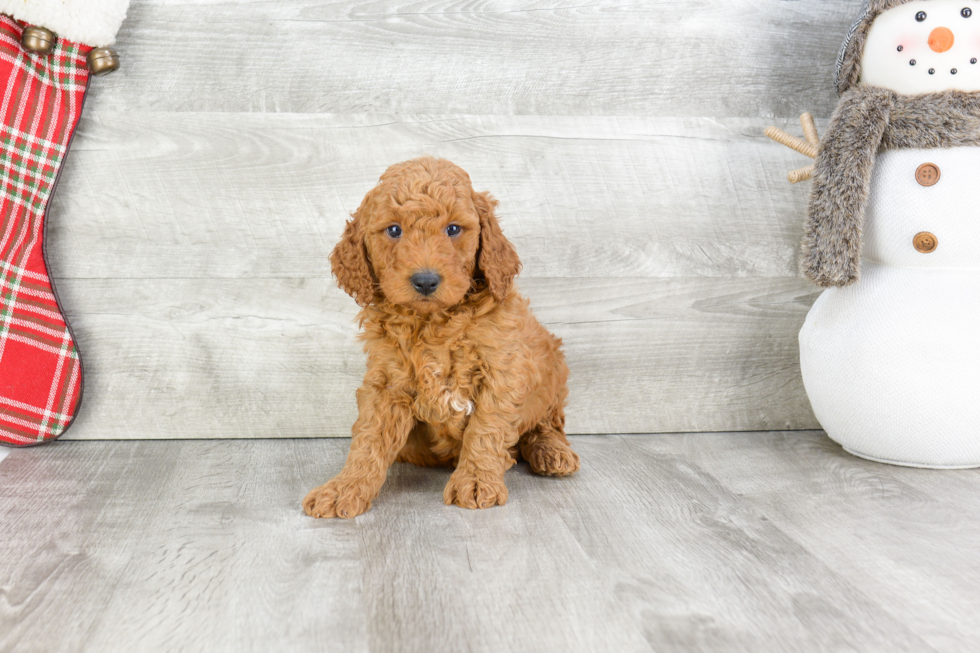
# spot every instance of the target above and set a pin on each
(459, 371)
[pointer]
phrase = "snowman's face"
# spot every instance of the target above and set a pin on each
(924, 46)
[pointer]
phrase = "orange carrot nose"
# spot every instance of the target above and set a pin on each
(941, 39)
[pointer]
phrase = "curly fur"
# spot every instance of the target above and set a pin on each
(466, 377)
(92, 22)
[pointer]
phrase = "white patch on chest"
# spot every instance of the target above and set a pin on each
(440, 391)
(458, 404)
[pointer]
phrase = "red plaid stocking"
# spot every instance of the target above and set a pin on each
(40, 372)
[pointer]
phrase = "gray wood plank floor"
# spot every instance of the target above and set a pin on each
(703, 542)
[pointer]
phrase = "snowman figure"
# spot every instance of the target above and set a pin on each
(890, 352)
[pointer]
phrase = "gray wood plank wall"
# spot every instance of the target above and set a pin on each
(211, 176)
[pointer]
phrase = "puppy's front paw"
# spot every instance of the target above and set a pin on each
(553, 459)
(337, 498)
(474, 489)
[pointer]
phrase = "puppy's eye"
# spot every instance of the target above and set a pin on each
(394, 231)
(966, 13)
(921, 16)
(453, 230)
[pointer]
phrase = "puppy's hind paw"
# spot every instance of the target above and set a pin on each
(553, 459)
(474, 490)
(336, 499)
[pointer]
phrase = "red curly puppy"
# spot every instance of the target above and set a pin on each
(459, 372)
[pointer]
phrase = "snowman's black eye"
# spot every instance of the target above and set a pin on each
(966, 13)
(921, 16)
(932, 71)
(953, 71)
(973, 60)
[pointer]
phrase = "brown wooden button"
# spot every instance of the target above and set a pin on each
(927, 174)
(925, 242)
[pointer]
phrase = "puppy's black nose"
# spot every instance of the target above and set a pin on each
(426, 282)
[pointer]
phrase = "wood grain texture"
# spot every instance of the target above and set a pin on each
(498, 57)
(173, 358)
(205, 274)
(885, 528)
(166, 195)
(702, 542)
(211, 176)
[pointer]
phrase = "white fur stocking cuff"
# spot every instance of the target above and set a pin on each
(91, 22)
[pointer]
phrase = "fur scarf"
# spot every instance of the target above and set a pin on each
(869, 119)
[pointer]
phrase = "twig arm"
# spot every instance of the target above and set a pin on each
(810, 129)
(802, 174)
(810, 147)
(792, 142)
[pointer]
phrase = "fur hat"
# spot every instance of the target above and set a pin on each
(849, 59)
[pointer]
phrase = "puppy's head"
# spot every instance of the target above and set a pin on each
(421, 237)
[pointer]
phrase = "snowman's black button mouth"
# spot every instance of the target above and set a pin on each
(912, 63)
(952, 72)
(932, 71)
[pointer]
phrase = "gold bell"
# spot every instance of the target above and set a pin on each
(38, 40)
(102, 61)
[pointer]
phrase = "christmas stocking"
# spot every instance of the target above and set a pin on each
(44, 73)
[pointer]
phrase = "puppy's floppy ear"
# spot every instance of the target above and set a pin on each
(497, 258)
(349, 263)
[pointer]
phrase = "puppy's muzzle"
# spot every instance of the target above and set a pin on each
(425, 282)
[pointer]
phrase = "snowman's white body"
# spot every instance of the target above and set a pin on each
(892, 363)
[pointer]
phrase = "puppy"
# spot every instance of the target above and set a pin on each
(459, 372)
